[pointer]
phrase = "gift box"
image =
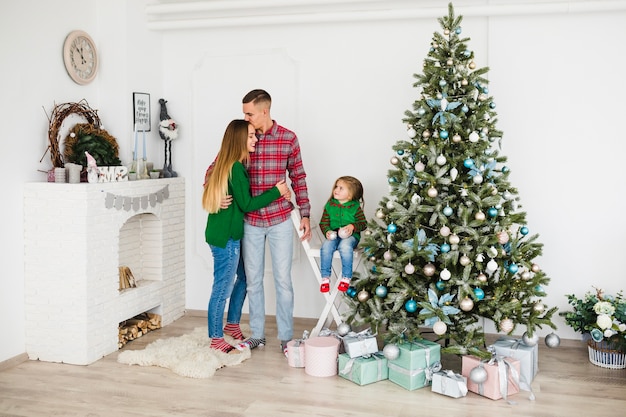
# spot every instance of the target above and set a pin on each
(498, 369)
(360, 344)
(450, 384)
(528, 356)
(416, 364)
(295, 353)
(363, 371)
(321, 356)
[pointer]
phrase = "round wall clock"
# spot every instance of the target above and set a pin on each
(80, 57)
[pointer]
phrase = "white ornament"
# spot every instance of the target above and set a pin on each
(464, 260)
(390, 204)
(440, 328)
(482, 277)
(344, 233)
(456, 138)
(454, 239)
(387, 255)
(444, 231)
(419, 167)
(492, 266)
(492, 252)
(444, 104)
(441, 160)
(480, 257)
(343, 329)
(391, 352)
(409, 268)
(454, 173)
(332, 235)
(507, 325)
(473, 137)
(432, 192)
(539, 307)
(480, 216)
(478, 179)
(466, 304)
(416, 199)
(507, 195)
(445, 274)
(411, 133)
(380, 214)
(394, 160)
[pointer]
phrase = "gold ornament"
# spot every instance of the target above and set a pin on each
(363, 296)
(429, 270)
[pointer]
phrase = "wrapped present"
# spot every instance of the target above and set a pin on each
(528, 356)
(502, 376)
(295, 353)
(363, 371)
(360, 344)
(450, 384)
(416, 364)
(321, 356)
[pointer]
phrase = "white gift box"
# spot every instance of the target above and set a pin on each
(360, 344)
(450, 384)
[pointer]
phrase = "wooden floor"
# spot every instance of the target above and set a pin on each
(567, 385)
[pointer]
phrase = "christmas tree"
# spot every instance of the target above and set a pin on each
(450, 244)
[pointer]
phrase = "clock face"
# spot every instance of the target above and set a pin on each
(80, 57)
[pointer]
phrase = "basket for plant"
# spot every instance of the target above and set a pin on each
(602, 355)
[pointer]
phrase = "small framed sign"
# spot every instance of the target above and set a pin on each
(141, 111)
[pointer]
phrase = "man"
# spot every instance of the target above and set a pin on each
(277, 153)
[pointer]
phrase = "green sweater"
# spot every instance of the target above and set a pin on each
(228, 223)
(337, 215)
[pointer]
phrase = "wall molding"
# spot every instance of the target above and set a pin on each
(164, 15)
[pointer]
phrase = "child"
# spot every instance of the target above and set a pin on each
(341, 222)
(224, 228)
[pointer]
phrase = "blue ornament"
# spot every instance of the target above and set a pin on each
(421, 111)
(445, 248)
(524, 230)
(351, 291)
(458, 30)
(464, 109)
(392, 180)
(443, 134)
(447, 211)
(513, 268)
(392, 228)
(485, 90)
(468, 163)
(504, 169)
(492, 212)
(400, 152)
(410, 306)
(467, 52)
(440, 285)
(479, 293)
(539, 289)
(492, 105)
(381, 291)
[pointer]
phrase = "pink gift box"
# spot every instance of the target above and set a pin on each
(321, 356)
(508, 367)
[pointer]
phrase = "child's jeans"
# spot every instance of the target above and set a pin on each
(346, 251)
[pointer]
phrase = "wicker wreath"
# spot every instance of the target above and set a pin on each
(59, 114)
(85, 137)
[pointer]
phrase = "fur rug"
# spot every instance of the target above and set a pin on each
(189, 355)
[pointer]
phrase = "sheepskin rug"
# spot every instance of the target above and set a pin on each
(189, 355)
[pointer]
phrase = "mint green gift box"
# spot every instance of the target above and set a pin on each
(416, 364)
(363, 371)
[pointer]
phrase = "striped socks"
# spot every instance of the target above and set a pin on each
(251, 343)
(218, 343)
(234, 331)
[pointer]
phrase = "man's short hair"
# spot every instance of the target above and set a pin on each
(257, 96)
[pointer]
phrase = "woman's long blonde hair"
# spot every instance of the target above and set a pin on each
(234, 148)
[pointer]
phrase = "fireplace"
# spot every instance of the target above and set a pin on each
(76, 236)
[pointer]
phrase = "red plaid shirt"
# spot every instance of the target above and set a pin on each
(277, 152)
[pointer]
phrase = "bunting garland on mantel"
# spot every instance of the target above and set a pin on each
(125, 202)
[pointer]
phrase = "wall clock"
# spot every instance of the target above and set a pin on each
(80, 57)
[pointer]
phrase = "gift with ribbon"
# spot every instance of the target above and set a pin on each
(450, 384)
(528, 356)
(502, 376)
(415, 365)
(363, 371)
(295, 351)
(363, 343)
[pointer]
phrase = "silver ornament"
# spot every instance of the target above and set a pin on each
(429, 270)
(363, 296)
(466, 304)
(530, 340)
(332, 235)
(380, 214)
(553, 340)
(478, 375)
(343, 329)
(539, 307)
(391, 351)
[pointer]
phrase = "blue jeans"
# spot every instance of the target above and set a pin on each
(280, 238)
(238, 295)
(225, 261)
(346, 253)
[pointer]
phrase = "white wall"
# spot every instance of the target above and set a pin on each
(343, 86)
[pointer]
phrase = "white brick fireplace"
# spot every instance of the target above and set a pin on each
(76, 236)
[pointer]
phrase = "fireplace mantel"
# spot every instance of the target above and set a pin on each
(75, 236)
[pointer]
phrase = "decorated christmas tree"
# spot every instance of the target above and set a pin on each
(450, 244)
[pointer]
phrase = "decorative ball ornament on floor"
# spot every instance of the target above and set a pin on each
(80, 57)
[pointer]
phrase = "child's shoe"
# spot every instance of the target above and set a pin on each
(325, 286)
(344, 284)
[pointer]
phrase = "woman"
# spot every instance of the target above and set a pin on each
(224, 228)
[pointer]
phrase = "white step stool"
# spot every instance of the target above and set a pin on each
(312, 249)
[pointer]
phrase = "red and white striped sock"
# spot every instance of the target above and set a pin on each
(218, 343)
(233, 330)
